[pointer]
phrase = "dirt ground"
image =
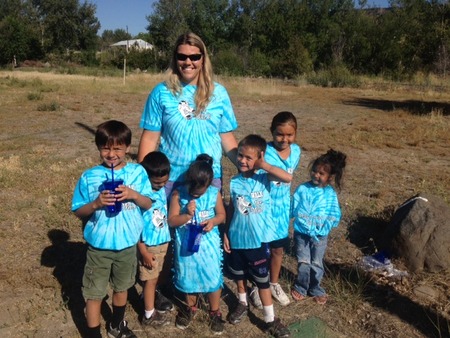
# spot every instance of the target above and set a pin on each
(397, 141)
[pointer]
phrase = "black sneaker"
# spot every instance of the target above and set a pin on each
(120, 332)
(238, 313)
(162, 304)
(277, 329)
(216, 323)
(157, 319)
(184, 318)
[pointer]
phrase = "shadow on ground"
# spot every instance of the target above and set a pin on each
(68, 259)
(425, 319)
(415, 107)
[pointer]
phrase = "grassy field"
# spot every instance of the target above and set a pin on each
(396, 137)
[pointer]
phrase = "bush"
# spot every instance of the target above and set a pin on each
(228, 62)
(336, 76)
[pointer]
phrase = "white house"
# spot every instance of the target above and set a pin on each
(137, 44)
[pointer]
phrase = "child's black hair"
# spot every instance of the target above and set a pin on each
(335, 161)
(254, 141)
(112, 132)
(156, 164)
(200, 173)
(282, 118)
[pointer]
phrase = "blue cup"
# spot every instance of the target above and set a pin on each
(195, 236)
(111, 186)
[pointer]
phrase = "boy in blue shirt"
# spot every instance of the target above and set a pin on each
(154, 242)
(111, 236)
(251, 228)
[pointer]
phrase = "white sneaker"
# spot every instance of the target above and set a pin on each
(254, 298)
(279, 295)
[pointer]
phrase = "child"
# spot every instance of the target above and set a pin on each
(285, 154)
(111, 236)
(198, 272)
(251, 228)
(316, 211)
(154, 241)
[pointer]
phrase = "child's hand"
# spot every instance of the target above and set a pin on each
(226, 244)
(207, 225)
(149, 261)
(191, 207)
(126, 193)
(260, 162)
(104, 199)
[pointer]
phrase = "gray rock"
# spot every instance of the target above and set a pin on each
(419, 233)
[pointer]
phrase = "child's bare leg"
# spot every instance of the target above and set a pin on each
(149, 294)
(276, 260)
(93, 307)
(191, 299)
(241, 286)
(214, 300)
(120, 298)
(266, 296)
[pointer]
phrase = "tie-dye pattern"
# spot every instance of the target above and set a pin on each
(156, 230)
(112, 231)
(252, 223)
(185, 133)
(279, 191)
(315, 210)
(200, 271)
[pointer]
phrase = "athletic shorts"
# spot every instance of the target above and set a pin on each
(108, 266)
(252, 264)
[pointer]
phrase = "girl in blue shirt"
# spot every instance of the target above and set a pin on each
(198, 272)
(316, 211)
(285, 154)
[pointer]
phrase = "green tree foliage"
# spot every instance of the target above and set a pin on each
(18, 40)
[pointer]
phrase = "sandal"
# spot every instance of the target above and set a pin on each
(297, 295)
(321, 300)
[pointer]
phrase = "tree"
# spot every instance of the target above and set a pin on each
(66, 25)
(167, 22)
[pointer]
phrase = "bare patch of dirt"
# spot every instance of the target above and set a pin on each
(396, 141)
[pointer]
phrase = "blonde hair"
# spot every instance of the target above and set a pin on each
(205, 85)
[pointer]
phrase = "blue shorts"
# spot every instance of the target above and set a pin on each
(252, 264)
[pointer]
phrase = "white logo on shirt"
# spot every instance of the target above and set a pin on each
(158, 218)
(243, 205)
(187, 112)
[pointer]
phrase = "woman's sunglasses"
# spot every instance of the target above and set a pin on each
(192, 57)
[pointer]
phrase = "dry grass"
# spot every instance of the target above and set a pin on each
(396, 138)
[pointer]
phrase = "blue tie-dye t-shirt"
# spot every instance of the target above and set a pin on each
(315, 210)
(156, 229)
(109, 231)
(281, 191)
(198, 271)
(252, 223)
(184, 132)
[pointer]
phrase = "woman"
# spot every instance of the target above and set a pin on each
(189, 113)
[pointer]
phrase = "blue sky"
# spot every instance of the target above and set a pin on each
(115, 14)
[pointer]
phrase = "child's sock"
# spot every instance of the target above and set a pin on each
(242, 298)
(149, 313)
(269, 314)
(117, 315)
(94, 332)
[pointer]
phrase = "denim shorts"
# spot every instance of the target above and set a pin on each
(108, 266)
